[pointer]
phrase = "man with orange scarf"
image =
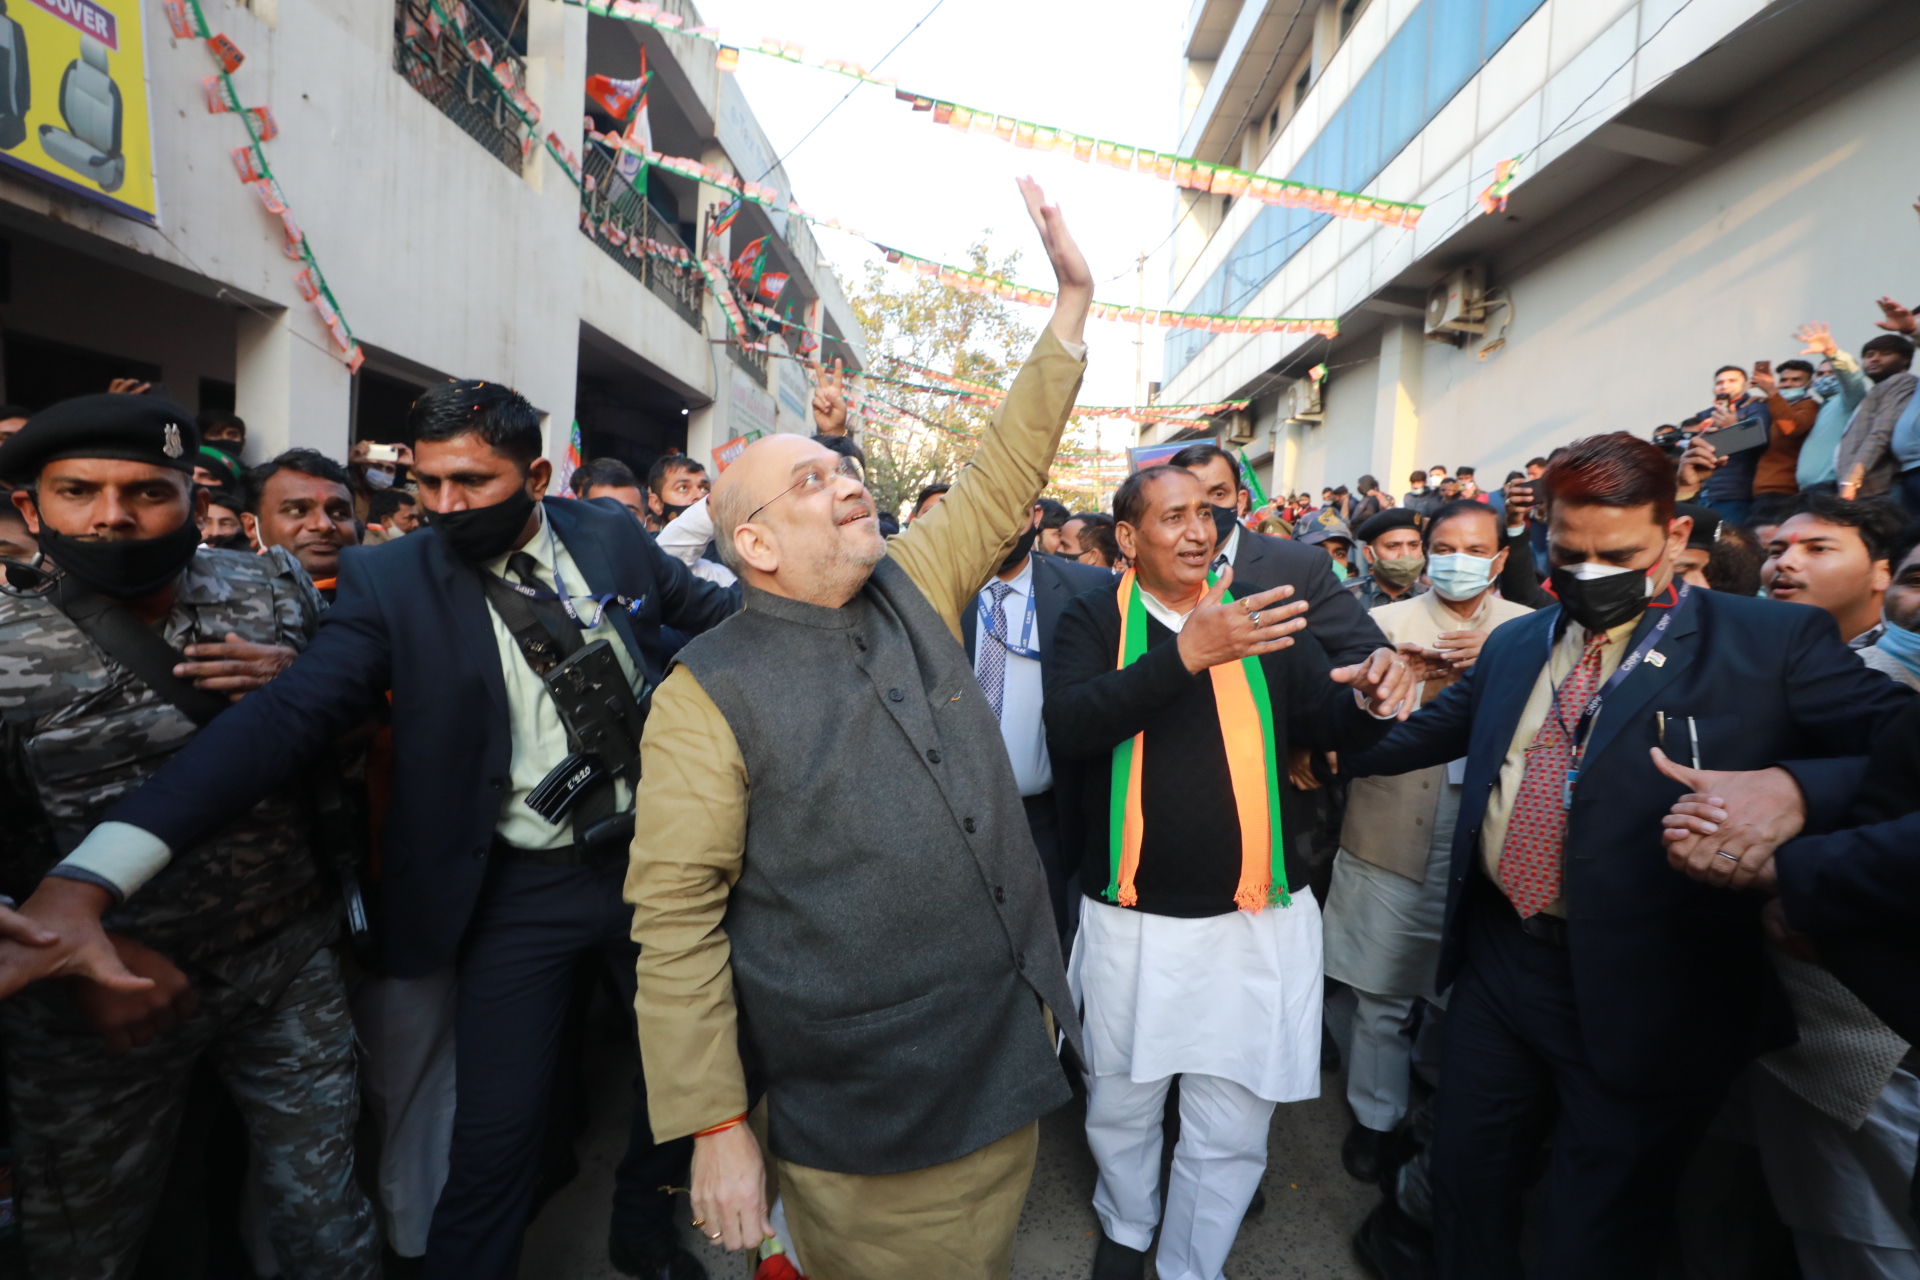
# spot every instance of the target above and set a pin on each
(1198, 956)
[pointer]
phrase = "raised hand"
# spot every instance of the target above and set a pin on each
(1385, 683)
(1696, 464)
(830, 400)
(1816, 339)
(234, 667)
(1073, 277)
(1215, 632)
(1725, 829)
(1896, 318)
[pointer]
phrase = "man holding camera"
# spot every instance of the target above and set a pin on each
(512, 798)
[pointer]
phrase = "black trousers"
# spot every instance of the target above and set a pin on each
(531, 925)
(1043, 819)
(1517, 1073)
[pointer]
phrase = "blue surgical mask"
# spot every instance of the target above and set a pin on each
(1459, 576)
(1902, 645)
(1827, 386)
(1791, 394)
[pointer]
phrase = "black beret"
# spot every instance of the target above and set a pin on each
(1385, 522)
(1706, 525)
(130, 428)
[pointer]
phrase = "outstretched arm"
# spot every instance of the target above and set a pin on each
(953, 550)
(245, 753)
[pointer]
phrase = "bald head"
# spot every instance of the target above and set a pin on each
(794, 518)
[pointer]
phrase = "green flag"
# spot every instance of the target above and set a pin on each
(1253, 482)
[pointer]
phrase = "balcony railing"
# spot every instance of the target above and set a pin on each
(443, 63)
(618, 219)
(754, 362)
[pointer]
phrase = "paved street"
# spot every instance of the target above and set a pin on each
(1312, 1206)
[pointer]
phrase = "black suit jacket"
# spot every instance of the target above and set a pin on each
(1857, 891)
(411, 618)
(1670, 976)
(1336, 619)
(1055, 581)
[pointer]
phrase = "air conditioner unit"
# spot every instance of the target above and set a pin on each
(1458, 303)
(1239, 427)
(1303, 400)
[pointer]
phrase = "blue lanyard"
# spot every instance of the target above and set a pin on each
(1026, 632)
(1591, 710)
(627, 604)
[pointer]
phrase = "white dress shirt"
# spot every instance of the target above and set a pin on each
(539, 737)
(1021, 727)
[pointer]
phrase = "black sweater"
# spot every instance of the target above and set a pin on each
(1190, 843)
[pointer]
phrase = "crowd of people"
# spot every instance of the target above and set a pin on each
(1571, 819)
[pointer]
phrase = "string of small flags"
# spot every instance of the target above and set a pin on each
(1184, 171)
(189, 22)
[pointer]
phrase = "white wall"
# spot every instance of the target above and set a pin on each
(1623, 330)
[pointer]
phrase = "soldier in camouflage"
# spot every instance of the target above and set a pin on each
(232, 938)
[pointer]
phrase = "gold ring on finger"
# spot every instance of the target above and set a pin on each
(699, 1222)
(713, 1236)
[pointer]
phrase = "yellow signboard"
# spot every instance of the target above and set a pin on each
(73, 99)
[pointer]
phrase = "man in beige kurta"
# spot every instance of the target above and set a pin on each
(797, 528)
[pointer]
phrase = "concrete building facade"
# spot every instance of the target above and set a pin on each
(1695, 179)
(450, 251)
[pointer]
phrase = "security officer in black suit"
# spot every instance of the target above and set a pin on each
(1260, 563)
(1017, 611)
(485, 864)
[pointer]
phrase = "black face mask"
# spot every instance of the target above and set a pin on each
(670, 512)
(231, 448)
(1020, 551)
(232, 542)
(1601, 604)
(1224, 519)
(478, 534)
(125, 570)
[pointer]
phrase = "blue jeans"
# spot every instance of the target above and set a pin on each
(1733, 512)
(1907, 489)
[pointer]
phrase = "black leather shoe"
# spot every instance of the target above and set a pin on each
(664, 1260)
(1364, 1153)
(1392, 1246)
(1112, 1261)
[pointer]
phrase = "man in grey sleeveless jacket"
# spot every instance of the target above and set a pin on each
(836, 894)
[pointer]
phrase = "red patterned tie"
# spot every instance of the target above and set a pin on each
(1531, 857)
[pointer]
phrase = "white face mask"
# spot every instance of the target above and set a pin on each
(378, 479)
(1459, 576)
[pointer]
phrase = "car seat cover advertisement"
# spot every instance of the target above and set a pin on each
(73, 99)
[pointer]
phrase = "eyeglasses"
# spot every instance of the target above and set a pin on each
(813, 480)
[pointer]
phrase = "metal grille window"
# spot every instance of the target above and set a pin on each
(442, 59)
(618, 218)
(754, 362)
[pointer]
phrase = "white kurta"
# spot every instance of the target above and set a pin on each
(1235, 995)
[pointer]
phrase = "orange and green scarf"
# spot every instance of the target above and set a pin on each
(1246, 725)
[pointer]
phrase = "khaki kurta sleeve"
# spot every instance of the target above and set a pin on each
(952, 551)
(685, 858)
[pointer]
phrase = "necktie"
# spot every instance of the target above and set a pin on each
(1531, 858)
(566, 635)
(993, 650)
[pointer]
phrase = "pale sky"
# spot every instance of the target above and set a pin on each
(1108, 70)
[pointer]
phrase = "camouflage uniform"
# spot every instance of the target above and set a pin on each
(246, 915)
